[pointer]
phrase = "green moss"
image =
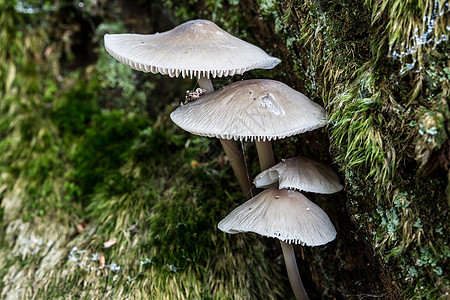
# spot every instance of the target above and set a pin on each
(79, 148)
(82, 147)
(357, 131)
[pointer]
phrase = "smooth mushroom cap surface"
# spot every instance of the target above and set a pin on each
(197, 48)
(300, 173)
(283, 214)
(259, 109)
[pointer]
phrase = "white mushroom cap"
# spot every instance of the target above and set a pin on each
(302, 174)
(283, 214)
(259, 109)
(196, 48)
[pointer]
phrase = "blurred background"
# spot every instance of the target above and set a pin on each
(101, 195)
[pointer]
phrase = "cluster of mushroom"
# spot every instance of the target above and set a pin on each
(284, 213)
(258, 110)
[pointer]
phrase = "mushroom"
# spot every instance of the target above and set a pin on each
(256, 110)
(261, 110)
(196, 48)
(288, 216)
(300, 173)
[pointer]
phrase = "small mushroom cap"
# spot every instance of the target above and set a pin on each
(195, 48)
(259, 109)
(300, 173)
(283, 214)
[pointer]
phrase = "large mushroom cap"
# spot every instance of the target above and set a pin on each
(195, 48)
(260, 109)
(283, 214)
(302, 174)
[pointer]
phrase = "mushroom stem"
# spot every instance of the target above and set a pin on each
(292, 270)
(267, 160)
(231, 149)
(265, 154)
(237, 163)
(206, 84)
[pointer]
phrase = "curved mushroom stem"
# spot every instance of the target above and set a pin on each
(237, 163)
(292, 270)
(265, 154)
(206, 84)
